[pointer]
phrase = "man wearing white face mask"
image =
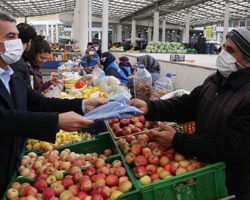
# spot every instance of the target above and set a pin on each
(21, 68)
(221, 109)
(23, 112)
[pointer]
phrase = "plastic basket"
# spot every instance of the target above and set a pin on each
(101, 142)
(209, 184)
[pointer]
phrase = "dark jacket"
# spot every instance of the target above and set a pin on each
(221, 110)
(21, 69)
(41, 122)
(39, 85)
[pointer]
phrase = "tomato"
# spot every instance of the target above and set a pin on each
(80, 84)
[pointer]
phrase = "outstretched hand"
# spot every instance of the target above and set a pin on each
(141, 105)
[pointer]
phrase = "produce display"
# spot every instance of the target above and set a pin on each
(150, 162)
(35, 166)
(62, 138)
(166, 47)
(97, 182)
(117, 49)
(128, 126)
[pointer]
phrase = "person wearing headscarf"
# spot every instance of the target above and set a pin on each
(90, 60)
(111, 68)
(125, 65)
(221, 109)
(152, 65)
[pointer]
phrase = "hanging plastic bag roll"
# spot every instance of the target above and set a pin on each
(117, 107)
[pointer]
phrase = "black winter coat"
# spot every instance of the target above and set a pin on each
(221, 109)
(21, 68)
(26, 114)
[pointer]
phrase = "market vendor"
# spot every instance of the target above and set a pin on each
(221, 109)
(90, 60)
(111, 68)
(24, 113)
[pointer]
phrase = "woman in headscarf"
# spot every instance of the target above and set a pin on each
(90, 60)
(111, 68)
(152, 65)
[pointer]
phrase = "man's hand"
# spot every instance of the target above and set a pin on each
(141, 105)
(90, 104)
(164, 138)
(71, 121)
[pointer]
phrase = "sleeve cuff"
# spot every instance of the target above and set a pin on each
(83, 107)
(177, 143)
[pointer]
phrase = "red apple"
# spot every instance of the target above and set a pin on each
(48, 193)
(139, 125)
(105, 192)
(126, 131)
(154, 160)
(181, 170)
(145, 180)
(124, 122)
(123, 178)
(140, 161)
(67, 181)
(58, 188)
(163, 174)
(82, 195)
(151, 169)
(107, 152)
(65, 195)
(112, 180)
(155, 177)
(140, 171)
(125, 186)
(74, 189)
(146, 152)
(178, 157)
(157, 152)
(136, 149)
(174, 167)
(12, 193)
(120, 171)
(40, 185)
(116, 163)
(86, 186)
(163, 161)
(129, 158)
(96, 197)
(99, 163)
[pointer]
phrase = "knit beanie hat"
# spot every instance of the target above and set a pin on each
(241, 37)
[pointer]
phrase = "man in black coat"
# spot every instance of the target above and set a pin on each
(26, 33)
(23, 112)
(221, 109)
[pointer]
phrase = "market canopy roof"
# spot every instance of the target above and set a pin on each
(174, 11)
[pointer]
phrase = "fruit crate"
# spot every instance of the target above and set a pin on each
(98, 144)
(133, 194)
(208, 183)
(118, 137)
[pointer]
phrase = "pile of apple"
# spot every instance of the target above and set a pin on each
(54, 162)
(150, 162)
(98, 182)
(128, 126)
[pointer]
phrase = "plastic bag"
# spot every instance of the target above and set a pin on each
(117, 107)
(176, 93)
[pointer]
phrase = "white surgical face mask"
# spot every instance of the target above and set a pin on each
(226, 63)
(96, 48)
(13, 51)
(91, 53)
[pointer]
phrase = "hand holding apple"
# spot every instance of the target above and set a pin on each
(164, 138)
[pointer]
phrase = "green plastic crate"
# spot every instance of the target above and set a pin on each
(209, 185)
(101, 142)
(132, 195)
